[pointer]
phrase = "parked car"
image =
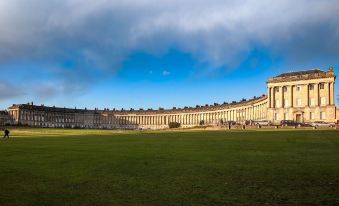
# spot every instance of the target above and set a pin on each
(230, 123)
(291, 123)
(246, 122)
(263, 122)
(322, 124)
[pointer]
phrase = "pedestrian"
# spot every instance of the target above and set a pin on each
(6, 132)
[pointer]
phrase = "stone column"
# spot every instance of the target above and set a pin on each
(245, 114)
(282, 97)
(332, 94)
(318, 94)
(259, 111)
(253, 112)
(248, 113)
(291, 100)
(273, 97)
(269, 97)
(328, 99)
(308, 95)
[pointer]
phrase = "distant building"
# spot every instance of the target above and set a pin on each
(302, 96)
(5, 118)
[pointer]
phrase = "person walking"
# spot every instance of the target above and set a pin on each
(6, 132)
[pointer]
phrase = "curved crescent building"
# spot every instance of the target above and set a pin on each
(303, 96)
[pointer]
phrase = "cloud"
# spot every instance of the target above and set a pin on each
(8, 91)
(219, 32)
(166, 73)
(98, 36)
(44, 83)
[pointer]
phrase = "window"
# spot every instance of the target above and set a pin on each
(276, 89)
(285, 116)
(321, 86)
(311, 86)
(322, 115)
(311, 115)
(312, 101)
(298, 102)
(286, 103)
(285, 89)
(276, 116)
(323, 101)
(277, 103)
(298, 88)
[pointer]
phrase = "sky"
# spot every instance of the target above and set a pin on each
(158, 53)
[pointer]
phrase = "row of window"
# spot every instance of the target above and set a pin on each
(312, 102)
(310, 117)
(298, 88)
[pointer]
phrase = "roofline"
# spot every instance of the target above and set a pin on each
(148, 111)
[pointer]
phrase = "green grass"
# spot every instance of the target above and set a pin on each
(93, 167)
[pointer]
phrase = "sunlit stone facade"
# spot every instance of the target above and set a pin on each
(301, 96)
(41, 116)
(305, 96)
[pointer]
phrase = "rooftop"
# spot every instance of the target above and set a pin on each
(298, 73)
(315, 73)
(214, 107)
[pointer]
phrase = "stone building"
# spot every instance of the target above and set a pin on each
(303, 96)
(5, 118)
(300, 96)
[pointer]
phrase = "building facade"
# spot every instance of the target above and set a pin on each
(305, 96)
(301, 96)
(5, 118)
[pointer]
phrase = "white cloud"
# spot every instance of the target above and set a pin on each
(218, 32)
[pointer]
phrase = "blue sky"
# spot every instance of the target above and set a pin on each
(142, 54)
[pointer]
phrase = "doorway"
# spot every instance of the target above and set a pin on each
(299, 118)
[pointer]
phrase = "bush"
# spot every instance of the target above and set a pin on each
(172, 125)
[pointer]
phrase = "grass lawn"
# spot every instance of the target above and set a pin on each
(92, 167)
